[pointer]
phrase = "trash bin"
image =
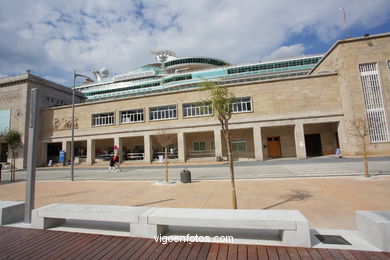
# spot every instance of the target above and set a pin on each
(185, 176)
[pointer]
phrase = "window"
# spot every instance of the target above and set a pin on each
(373, 100)
(165, 112)
(199, 146)
(103, 119)
(132, 116)
(242, 105)
(194, 109)
(239, 145)
(212, 145)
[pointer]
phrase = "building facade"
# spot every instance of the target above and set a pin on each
(15, 106)
(289, 108)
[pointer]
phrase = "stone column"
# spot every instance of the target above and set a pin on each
(181, 146)
(148, 153)
(66, 148)
(218, 143)
(118, 143)
(258, 143)
(300, 141)
(43, 154)
(90, 151)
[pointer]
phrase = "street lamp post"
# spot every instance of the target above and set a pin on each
(75, 75)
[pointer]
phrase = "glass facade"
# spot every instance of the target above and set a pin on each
(196, 60)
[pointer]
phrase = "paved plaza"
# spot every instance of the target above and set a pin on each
(327, 202)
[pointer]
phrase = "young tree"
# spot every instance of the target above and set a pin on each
(14, 139)
(221, 101)
(165, 138)
(360, 128)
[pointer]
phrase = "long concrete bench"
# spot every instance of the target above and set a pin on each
(374, 227)
(57, 214)
(292, 225)
(11, 212)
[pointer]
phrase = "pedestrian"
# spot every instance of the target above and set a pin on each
(116, 163)
(111, 168)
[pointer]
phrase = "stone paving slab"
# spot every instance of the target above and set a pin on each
(327, 202)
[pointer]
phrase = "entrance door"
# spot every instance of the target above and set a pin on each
(313, 145)
(3, 152)
(273, 144)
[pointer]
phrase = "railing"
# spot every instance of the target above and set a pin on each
(173, 155)
(134, 156)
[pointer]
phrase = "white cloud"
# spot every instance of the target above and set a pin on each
(286, 52)
(64, 35)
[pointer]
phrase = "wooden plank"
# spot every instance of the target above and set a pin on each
(242, 252)
(128, 245)
(358, 255)
(194, 251)
(347, 255)
(314, 253)
(293, 253)
(252, 252)
(135, 253)
(336, 254)
(185, 251)
(77, 247)
(261, 252)
(204, 251)
(324, 253)
(213, 252)
(115, 242)
(232, 252)
(24, 237)
(167, 251)
(51, 247)
(158, 251)
(92, 248)
(272, 253)
(153, 247)
(282, 253)
(223, 251)
(303, 253)
(34, 243)
(177, 250)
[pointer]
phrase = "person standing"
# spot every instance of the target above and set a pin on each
(111, 168)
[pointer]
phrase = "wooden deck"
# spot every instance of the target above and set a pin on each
(22, 243)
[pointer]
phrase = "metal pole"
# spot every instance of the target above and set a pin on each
(31, 158)
(72, 141)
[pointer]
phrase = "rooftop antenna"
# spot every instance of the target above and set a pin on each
(342, 9)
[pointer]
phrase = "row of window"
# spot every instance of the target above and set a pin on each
(195, 60)
(275, 65)
(55, 101)
(238, 145)
(122, 89)
(168, 112)
(178, 78)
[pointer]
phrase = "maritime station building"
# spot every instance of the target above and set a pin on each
(296, 107)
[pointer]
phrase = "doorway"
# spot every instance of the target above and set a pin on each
(3, 152)
(313, 145)
(273, 144)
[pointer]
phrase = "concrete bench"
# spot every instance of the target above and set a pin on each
(57, 214)
(11, 212)
(293, 227)
(374, 227)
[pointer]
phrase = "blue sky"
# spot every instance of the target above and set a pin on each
(52, 38)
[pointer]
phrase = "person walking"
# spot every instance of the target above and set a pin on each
(116, 163)
(111, 168)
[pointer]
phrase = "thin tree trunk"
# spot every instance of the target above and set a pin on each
(166, 164)
(13, 167)
(365, 159)
(231, 167)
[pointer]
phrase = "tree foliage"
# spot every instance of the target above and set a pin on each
(14, 139)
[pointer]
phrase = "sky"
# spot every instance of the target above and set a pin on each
(52, 38)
